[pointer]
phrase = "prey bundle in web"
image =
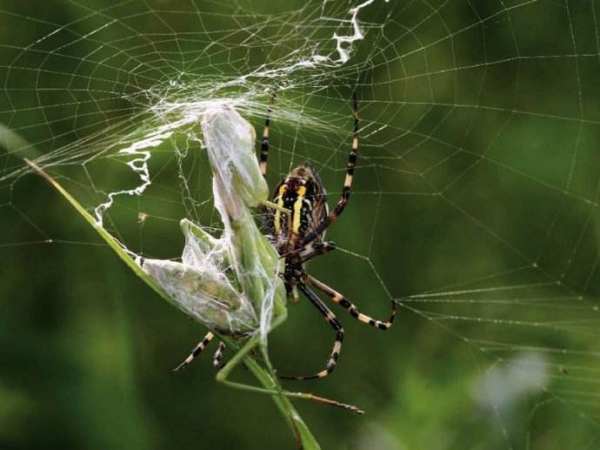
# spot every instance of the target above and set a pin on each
(228, 283)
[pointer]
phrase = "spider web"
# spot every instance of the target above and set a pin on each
(476, 200)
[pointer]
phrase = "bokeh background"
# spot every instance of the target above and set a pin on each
(476, 208)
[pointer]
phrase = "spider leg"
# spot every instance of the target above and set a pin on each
(240, 357)
(347, 190)
(316, 248)
(197, 350)
(265, 143)
(218, 356)
(339, 299)
(339, 335)
(293, 295)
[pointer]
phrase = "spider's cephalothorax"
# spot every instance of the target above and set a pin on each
(296, 225)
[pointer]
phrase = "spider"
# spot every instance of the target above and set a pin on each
(299, 236)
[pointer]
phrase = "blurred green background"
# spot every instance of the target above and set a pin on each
(476, 207)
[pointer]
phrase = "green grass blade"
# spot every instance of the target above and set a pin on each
(105, 235)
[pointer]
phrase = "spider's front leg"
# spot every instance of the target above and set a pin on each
(347, 189)
(242, 357)
(197, 350)
(217, 358)
(316, 248)
(265, 142)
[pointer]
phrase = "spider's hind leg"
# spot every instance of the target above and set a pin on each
(339, 299)
(339, 335)
(240, 357)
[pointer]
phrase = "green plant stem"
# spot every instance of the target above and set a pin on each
(303, 434)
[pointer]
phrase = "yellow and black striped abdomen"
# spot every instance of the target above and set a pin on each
(292, 196)
(301, 194)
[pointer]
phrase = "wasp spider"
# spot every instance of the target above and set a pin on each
(299, 237)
